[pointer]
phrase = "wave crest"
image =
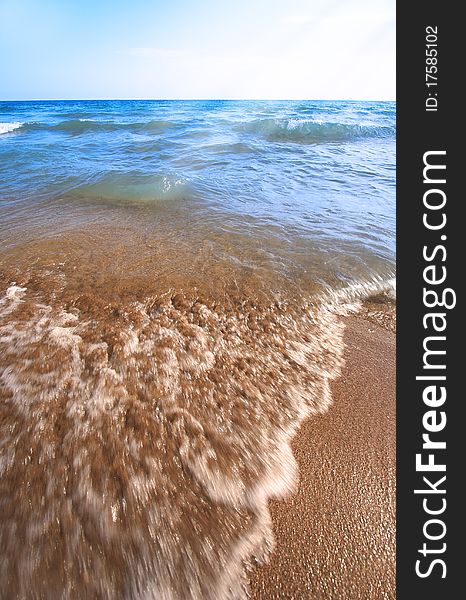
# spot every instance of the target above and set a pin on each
(9, 127)
(314, 132)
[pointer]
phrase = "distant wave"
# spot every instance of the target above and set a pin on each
(311, 131)
(293, 130)
(85, 125)
(9, 127)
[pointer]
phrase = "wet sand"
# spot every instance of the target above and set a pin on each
(335, 537)
(151, 437)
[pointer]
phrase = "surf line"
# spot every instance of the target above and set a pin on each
(437, 300)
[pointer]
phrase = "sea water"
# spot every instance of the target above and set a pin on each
(172, 275)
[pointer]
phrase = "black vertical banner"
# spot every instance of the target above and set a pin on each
(430, 239)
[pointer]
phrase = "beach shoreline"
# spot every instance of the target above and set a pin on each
(249, 365)
(171, 304)
(335, 537)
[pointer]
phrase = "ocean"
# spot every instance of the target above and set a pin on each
(172, 280)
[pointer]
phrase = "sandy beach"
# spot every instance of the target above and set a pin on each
(335, 537)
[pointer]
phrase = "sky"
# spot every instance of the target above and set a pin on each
(197, 49)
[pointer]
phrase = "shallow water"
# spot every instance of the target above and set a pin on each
(171, 278)
(307, 186)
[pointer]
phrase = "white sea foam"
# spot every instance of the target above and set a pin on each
(165, 433)
(9, 127)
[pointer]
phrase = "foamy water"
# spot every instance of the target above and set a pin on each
(172, 280)
(9, 127)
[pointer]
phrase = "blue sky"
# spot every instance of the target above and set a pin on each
(285, 49)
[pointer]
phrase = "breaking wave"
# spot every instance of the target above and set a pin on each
(9, 127)
(289, 129)
(142, 439)
(314, 132)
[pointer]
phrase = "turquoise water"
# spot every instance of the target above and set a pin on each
(317, 175)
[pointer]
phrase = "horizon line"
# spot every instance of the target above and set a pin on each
(198, 100)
